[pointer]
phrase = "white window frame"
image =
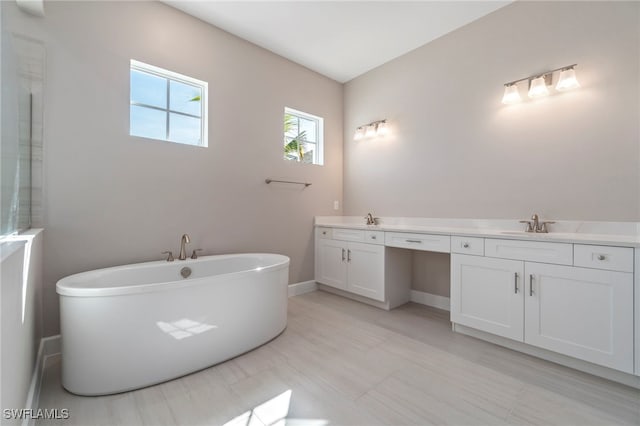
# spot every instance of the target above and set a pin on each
(180, 78)
(318, 153)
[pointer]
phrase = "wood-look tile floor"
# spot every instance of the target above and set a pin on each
(345, 363)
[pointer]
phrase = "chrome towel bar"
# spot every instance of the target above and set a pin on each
(287, 181)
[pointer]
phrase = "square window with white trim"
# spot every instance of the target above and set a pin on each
(167, 106)
(303, 137)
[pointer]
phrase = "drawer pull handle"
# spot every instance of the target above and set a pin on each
(466, 245)
(530, 284)
(373, 237)
(414, 241)
(348, 255)
(343, 254)
(601, 257)
(515, 282)
(324, 232)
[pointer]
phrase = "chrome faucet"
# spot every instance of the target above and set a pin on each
(534, 225)
(371, 220)
(183, 242)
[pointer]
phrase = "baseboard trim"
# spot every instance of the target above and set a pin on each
(302, 287)
(429, 299)
(49, 346)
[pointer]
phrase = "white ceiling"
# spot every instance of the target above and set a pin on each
(339, 39)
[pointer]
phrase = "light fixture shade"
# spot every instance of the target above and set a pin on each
(567, 80)
(511, 94)
(383, 129)
(538, 87)
(371, 131)
(359, 134)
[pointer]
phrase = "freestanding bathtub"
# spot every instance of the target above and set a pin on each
(132, 326)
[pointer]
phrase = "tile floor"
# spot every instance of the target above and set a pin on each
(345, 363)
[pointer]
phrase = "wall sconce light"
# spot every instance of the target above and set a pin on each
(539, 84)
(376, 128)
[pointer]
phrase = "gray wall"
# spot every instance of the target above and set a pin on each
(112, 199)
(456, 151)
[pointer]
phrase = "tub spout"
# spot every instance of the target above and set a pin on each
(183, 242)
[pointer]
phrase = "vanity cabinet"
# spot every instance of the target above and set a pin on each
(585, 313)
(486, 294)
(349, 265)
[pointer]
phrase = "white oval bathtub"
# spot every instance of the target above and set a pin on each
(132, 326)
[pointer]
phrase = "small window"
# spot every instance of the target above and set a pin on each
(303, 137)
(167, 106)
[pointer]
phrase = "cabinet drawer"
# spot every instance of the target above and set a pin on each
(428, 242)
(603, 257)
(374, 237)
(348, 234)
(322, 232)
(467, 245)
(535, 251)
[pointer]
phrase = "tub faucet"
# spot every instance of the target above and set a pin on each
(183, 242)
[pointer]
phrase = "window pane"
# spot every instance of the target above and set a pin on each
(290, 125)
(147, 122)
(148, 89)
(309, 127)
(184, 129)
(308, 153)
(185, 98)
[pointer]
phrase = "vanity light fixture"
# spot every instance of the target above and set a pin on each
(511, 94)
(375, 128)
(539, 84)
(359, 134)
(567, 80)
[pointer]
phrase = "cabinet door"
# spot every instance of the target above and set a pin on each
(487, 294)
(331, 263)
(583, 313)
(366, 270)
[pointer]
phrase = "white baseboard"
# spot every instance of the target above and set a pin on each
(301, 288)
(48, 346)
(429, 299)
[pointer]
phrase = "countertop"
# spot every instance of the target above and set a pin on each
(600, 233)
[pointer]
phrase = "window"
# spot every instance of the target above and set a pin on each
(167, 106)
(303, 135)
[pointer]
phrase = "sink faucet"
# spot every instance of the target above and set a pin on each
(183, 242)
(534, 225)
(371, 220)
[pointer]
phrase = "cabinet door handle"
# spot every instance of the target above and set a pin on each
(343, 255)
(466, 245)
(515, 283)
(413, 241)
(530, 284)
(348, 255)
(601, 257)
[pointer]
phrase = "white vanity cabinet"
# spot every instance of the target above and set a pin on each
(585, 313)
(350, 265)
(486, 294)
(356, 263)
(580, 312)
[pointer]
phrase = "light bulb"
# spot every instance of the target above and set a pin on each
(359, 134)
(511, 94)
(567, 80)
(383, 128)
(371, 131)
(538, 87)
